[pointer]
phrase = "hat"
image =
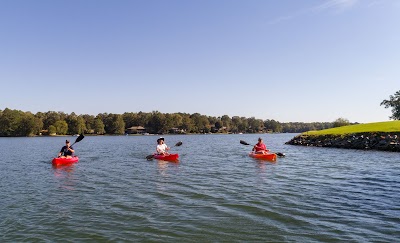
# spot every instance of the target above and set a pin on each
(67, 141)
(161, 138)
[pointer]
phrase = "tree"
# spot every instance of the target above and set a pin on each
(61, 127)
(72, 121)
(27, 126)
(52, 130)
(113, 123)
(243, 125)
(255, 125)
(89, 122)
(226, 121)
(98, 126)
(394, 103)
(9, 122)
(169, 122)
(130, 119)
(156, 122)
(340, 122)
(201, 123)
(51, 117)
(187, 123)
(273, 125)
(218, 125)
(81, 125)
(235, 124)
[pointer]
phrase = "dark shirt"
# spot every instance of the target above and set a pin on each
(66, 152)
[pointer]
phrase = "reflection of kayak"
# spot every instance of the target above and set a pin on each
(170, 157)
(65, 161)
(267, 156)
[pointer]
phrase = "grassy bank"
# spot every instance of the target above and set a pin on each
(389, 126)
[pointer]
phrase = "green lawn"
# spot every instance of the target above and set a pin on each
(389, 126)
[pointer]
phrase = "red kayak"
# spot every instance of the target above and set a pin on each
(65, 161)
(267, 156)
(170, 157)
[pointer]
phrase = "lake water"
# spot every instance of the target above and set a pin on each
(215, 193)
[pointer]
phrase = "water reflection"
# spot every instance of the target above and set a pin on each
(164, 165)
(261, 166)
(65, 175)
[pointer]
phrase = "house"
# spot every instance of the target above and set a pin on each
(176, 130)
(135, 130)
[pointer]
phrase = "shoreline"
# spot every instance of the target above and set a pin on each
(380, 141)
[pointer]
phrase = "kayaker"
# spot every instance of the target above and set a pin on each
(66, 151)
(260, 147)
(162, 148)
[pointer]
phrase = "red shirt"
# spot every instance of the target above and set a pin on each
(260, 147)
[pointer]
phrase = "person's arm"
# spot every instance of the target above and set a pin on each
(61, 152)
(71, 149)
(257, 147)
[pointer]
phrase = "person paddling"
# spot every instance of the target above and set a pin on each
(162, 148)
(260, 147)
(66, 151)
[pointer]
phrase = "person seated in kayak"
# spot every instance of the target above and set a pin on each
(260, 147)
(66, 151)
(162, 148)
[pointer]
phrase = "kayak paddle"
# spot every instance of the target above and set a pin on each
(278, 153)
(149, 157)
(78, 139)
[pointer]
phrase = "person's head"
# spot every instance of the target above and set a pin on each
(260, 140)
(67, 142)
(160, 140)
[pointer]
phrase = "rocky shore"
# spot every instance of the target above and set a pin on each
(364, 141)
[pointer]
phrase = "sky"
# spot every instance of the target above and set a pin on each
(291, 61)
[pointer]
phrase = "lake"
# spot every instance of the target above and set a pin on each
(215, 193)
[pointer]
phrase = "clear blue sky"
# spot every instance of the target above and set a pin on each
(286, 60)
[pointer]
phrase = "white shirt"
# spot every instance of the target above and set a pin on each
(162, 148)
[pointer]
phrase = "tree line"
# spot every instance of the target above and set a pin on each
(20, 123)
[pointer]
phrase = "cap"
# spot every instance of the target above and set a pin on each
(161, 138)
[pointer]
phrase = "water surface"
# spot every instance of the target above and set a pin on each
(215, 193)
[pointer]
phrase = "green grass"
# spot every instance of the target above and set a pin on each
(389, 126)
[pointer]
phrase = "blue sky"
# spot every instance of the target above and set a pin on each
(285, 60)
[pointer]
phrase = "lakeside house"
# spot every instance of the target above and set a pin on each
(175, 130)
(136, 130)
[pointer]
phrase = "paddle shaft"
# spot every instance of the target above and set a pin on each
(278, 153)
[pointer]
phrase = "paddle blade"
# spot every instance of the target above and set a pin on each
(149, 157)
(178, 144)
(79, 138)
(280, 154)
(244, 143)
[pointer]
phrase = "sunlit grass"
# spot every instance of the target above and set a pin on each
(389, 126)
